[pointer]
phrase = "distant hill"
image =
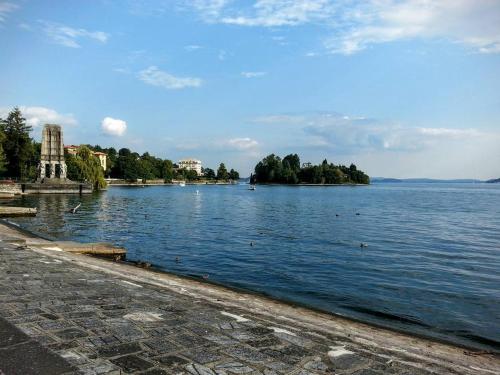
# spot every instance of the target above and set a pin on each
(494, 181)
(424, 180)
(383, 180)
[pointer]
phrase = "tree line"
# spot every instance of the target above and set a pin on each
(20, 157)
(273, 169)
(131, 166)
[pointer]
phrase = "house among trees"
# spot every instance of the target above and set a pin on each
(191, 165)
(73, 150)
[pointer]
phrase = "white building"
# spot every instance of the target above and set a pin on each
(102, 158)
(190, 165)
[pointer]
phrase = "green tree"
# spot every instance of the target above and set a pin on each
(270, 169)
(167, 169)
(209, 173)
(85, 167)
(222, 172)
(306, 175)
(111, 158)
(146, 165)
(73, 169)
(3, 159)
(294, 162)
(17, 145)
(128, 165)
(191, 175)
(234, 175)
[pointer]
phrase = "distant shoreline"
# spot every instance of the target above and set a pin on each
(384, 180)
(305, 184)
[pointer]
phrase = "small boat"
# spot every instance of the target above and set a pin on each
(251, 187)
(182, 183)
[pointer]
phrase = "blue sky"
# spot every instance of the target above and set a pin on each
(407, 88)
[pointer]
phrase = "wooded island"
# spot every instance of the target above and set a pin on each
(274, 170)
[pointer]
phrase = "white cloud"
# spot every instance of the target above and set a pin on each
(208, 9)
(449, 133)
(186, 146)
(241, 144)
(38, 116)
(156, 77)
(6, 8)
(475, 24)
(25, 26)
(353, 26)
(70, 37)
(192, 47)
(121, 70)
(273, 13)
(347, 133)
(253, 74)
(202, 144)
(280, 119)
(114, 127)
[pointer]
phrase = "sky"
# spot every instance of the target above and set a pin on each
(401, 88)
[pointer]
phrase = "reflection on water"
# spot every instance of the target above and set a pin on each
(431, 265)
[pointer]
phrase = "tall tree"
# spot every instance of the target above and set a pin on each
(111, 157)
(234, 175)
(222, 172)
(270, 169)
(167, 170)
(3, 159)
(294, 162)
(18, 146)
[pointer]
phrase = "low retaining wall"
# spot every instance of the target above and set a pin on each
(12, 188)
(47, 188)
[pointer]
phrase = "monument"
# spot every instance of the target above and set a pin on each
(52, 171)
(52, 164)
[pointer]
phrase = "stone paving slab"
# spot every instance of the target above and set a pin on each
(98, 321)
(19, 354)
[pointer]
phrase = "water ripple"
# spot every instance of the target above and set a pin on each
(431, 266)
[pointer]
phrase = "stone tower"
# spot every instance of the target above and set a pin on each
(52, 164)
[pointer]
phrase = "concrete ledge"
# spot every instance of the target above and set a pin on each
(16, 211)
(101, 249)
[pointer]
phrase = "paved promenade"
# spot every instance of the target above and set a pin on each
(63, 313)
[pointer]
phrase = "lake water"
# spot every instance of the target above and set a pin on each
(432, 265)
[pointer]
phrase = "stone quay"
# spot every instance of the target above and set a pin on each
(66, 313)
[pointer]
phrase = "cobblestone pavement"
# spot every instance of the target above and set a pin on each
(102, 323)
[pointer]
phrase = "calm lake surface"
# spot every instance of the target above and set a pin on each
(432, 265)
